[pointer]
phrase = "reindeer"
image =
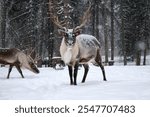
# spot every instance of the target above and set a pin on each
(79, 48)
(15, 57)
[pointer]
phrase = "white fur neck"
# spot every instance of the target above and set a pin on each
(67, 55)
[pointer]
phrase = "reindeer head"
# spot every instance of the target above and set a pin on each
(27, 62)
(70, 34)
(31, 65)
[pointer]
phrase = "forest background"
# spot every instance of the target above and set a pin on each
(122, 26)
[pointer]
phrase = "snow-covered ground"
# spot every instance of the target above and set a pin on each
(124, 82)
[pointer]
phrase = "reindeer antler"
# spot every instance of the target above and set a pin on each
(37, 58)
(56, 21)
(85, 17)
(54, 18)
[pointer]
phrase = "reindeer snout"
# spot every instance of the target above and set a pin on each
(70, 43)
(37, 71)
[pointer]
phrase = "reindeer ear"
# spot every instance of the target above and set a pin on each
(62, 32)
(77, 32)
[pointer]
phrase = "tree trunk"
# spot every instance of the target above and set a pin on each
(97, 20)
(138, 57)
(112, 30)
(3, 23)
(144, 59)
(93, 19)
(122, 36)
(50, 51)
(124, 44)
(105, 31)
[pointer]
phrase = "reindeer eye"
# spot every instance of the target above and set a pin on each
(73, 35)
(31, 63)
(66, 35)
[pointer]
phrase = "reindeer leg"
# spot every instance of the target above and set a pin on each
(103, 71)
(10, 69)
(86, 69)
(99, 62)
(70, 74)
(75, 73)
(19, 70)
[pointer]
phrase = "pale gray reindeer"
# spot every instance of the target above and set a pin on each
(79, 48)
(15, 57)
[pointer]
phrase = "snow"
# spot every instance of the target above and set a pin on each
(124, 83)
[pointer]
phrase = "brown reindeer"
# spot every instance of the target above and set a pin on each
(15, 57)
(79, 48)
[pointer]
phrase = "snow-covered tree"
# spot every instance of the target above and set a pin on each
(135, 19)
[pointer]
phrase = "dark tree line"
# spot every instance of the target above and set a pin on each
(25, 24)
(122, 26)
(135, 29)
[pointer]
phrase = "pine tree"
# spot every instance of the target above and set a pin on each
(133, 14)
